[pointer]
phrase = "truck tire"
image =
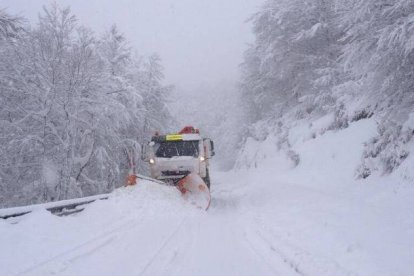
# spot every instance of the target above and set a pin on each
(207, 179)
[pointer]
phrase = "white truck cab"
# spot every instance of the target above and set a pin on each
(172, 157)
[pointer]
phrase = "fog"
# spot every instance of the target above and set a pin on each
(199, 41)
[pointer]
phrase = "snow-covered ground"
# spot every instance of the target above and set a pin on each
(268, 220)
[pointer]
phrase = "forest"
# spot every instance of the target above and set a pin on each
(75, 107)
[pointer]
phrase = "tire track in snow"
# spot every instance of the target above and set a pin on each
(283, 257)
(303, 262)
(287, 265)
(161, 248)
(80, 247)
(174, 256)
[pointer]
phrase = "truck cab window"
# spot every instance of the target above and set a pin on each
(177, 148)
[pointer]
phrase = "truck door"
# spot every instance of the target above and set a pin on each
(209, 148)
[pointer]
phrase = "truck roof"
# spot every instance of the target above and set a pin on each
(176, 137)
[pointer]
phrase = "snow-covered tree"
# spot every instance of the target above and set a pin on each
(379, 54)
(294, 59)
(72, 109)
(289, 72)
(155, 97)
(10, 25)
(352, 59)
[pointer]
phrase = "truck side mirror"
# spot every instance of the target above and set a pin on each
(212, 148)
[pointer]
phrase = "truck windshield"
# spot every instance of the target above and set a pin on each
(177, 148)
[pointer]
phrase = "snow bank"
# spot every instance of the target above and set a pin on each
(262, 153)
(333, 158)
(317, 152)
(318, 215)
(39, 238)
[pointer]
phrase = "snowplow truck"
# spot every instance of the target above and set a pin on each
(173, 157)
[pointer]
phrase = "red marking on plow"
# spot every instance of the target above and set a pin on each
(193, 189)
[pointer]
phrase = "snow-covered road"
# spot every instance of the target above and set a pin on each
(265, 228)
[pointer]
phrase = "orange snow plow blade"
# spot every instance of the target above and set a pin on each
(193, 189)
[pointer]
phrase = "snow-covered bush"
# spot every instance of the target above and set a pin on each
(387, 151)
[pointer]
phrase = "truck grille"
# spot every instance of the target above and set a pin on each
(175, 173)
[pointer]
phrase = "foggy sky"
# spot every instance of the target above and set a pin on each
(200, 41)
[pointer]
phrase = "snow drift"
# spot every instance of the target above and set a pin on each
(140, 210)
(327, 220)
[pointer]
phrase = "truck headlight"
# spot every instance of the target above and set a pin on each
(152, 161)
(202, 158)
